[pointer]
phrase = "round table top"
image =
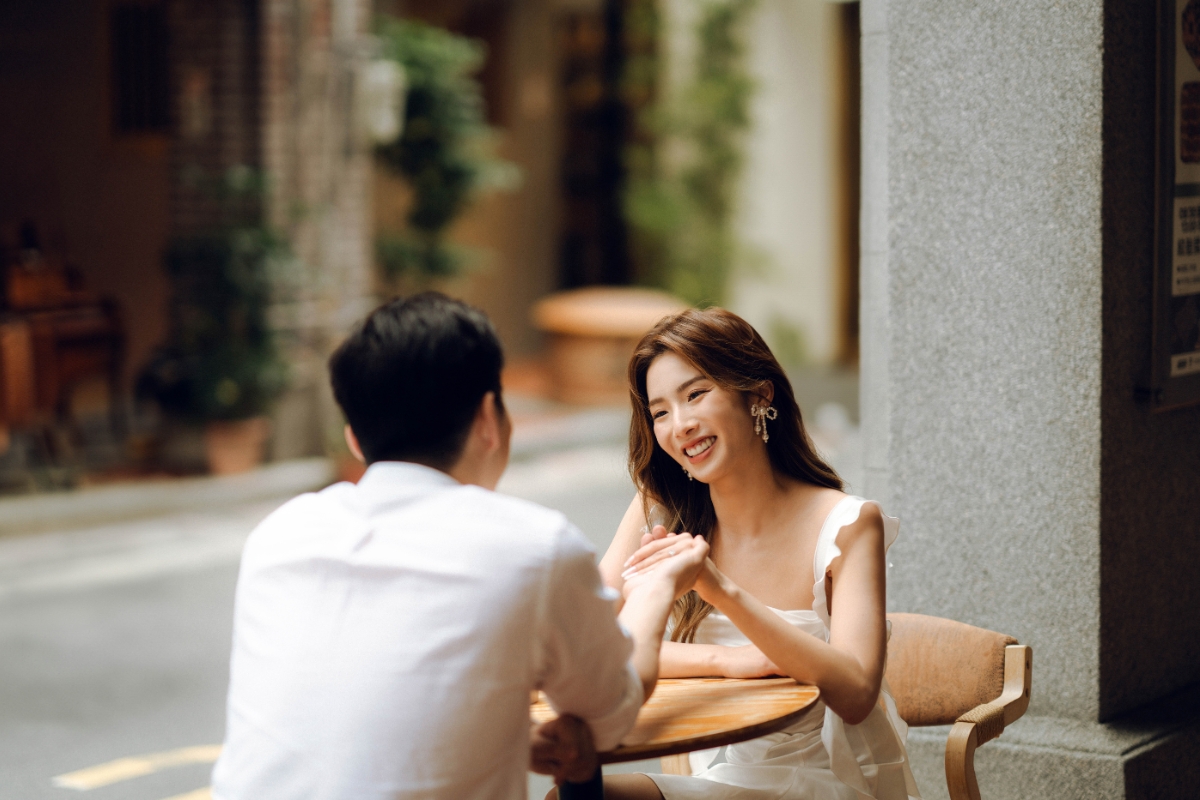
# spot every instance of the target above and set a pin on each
(687, 714)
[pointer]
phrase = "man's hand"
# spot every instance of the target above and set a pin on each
(563, 748)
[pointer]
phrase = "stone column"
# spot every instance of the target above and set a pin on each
(1007, 273)
(319, 172)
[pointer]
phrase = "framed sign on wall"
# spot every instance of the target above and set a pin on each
(1175, 364)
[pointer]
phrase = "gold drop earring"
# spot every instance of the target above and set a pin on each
(761, 414)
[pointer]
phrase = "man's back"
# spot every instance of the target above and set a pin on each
(387, 636)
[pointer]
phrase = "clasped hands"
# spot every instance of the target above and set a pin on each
(677, 562)
(680, 558)
(676, 554)
(666, 562)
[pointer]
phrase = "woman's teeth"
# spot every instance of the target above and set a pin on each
(697, 449)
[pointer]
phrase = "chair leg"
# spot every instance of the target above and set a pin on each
(960, 762)
(676, 765)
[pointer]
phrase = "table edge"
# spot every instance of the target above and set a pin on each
(638, 752)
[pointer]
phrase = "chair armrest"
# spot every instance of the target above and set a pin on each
(985, 722)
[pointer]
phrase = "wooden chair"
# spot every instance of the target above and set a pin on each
(943, 672)
(17, 400)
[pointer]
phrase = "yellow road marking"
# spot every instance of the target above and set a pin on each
(199, 794)
(136, 766)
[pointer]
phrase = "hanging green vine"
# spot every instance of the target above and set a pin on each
(681, 208)
(444, 150)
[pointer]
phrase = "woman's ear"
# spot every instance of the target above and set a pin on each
(764, 394)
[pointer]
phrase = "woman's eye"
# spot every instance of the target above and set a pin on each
(693, 395)
(658, 415)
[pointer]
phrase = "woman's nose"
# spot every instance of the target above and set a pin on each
(684, 425)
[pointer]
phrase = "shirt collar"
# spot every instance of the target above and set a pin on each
(393, 474)
(387, 482)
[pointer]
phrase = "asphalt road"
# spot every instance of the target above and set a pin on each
(114, 641)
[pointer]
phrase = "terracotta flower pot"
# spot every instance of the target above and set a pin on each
(235, 446)
(592, 334)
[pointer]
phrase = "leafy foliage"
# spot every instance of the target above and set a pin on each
(221, 361)
(683, 175)
(445, 149)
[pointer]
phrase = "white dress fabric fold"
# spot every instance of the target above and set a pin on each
(819, 757)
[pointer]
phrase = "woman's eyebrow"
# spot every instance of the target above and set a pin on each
(678, 389)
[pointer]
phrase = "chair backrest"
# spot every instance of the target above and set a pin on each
(17, 400)
(939, 669)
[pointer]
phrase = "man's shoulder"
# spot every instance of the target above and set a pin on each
(327, 501)
(505, 507)
(522, 520)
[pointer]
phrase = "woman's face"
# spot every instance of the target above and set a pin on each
(707, 429)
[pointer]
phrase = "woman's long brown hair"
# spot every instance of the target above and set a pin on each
(726, 349)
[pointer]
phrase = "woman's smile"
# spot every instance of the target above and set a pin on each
(699, 449)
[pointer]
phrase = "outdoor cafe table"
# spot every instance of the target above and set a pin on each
(687, 714)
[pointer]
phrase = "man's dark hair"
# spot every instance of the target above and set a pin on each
(411, 376)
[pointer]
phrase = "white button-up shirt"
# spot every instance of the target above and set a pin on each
(387, 636)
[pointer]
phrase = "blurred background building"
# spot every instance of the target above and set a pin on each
(143, 131)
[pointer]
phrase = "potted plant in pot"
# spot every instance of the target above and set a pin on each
(444, 154)
(221, 366)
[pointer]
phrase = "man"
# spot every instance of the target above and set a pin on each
(387, 634)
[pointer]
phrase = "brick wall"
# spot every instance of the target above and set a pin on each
(269, 84)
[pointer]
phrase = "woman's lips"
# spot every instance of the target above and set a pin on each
(711, 440)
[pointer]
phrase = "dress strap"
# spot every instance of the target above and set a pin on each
(845, 513)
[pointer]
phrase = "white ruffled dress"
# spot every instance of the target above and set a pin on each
(819, 757)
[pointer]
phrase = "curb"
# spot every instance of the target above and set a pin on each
(106, 504)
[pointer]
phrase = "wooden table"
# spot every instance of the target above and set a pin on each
(687, 714)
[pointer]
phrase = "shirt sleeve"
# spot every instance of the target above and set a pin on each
(583, 654)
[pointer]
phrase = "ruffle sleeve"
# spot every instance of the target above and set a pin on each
(846, 513)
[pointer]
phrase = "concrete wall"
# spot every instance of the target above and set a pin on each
(1008, 215)
(992, 294)
(98, 199)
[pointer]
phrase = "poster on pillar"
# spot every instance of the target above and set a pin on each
(1175, 360)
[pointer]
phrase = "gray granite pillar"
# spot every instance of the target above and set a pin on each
(1007, 245)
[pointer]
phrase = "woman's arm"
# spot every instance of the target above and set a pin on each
(626, 541)
(849, 669)
(678, 660)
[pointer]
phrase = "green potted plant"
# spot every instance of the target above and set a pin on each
(445, 151)
(221, 366)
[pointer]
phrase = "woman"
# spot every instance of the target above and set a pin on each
(795, 582)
